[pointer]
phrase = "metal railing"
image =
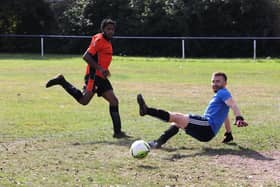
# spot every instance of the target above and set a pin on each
(183, 40)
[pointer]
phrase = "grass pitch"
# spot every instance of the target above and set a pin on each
(47, 139)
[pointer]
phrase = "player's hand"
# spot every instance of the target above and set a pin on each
(105, 73)
(240, 122)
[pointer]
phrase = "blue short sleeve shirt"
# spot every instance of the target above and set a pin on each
(217, 110)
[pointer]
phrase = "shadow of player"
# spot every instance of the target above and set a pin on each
(241, 151)
(148, 167)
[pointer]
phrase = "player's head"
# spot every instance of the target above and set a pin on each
(108, 27)
(218, 81)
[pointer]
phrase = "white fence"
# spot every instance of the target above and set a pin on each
(183, 40)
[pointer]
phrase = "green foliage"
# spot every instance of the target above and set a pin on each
(152, 18)
(235, 18)
(73, 20)
(26, 17)
(148, 17)
(118, 10)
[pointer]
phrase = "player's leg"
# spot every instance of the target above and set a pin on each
(105, 90)
(180, 120)
(87, 96)
(68, 87)
(114, 113)
(88, 90)
(145, 110)
(82, 98)
(197, 127)
(165, 136)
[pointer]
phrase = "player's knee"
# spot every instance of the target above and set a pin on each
(175, 127)
(83, 102)
(180, 120)
(114, 102)
(181, 125)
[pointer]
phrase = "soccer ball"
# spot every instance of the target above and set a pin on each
(139, 149)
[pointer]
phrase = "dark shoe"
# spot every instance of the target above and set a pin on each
(155, 144)
(121, 135)
(228, 137)
(58, 80)
(142, 105)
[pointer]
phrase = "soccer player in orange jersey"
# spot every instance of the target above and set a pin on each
(98, 57)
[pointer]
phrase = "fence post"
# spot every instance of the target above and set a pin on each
(183, 48)
(42, 46)
(255, 49)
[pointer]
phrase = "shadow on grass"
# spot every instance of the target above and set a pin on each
(148, 167)
(168, 149)
(241, 151)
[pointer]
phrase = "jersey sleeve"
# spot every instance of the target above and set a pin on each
(94, 46)
(224, 95)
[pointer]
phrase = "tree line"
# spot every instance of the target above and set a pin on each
(144, 18)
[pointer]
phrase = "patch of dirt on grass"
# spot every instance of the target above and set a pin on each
(259, 167)
(21, 145)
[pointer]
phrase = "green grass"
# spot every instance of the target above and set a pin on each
(47, 139)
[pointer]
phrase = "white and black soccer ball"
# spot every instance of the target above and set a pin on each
(139, 149)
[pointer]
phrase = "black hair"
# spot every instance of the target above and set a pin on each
(221, 74)
(106, 22)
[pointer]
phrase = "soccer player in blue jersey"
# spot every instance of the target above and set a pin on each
(204, 127)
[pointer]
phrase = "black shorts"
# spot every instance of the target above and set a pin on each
(97, 84)
(199, 128)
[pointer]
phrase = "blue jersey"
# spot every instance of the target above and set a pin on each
(217, 110)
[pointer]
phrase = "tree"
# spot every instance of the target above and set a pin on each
(229, 18)
(119, 10)
(148, 17)
(72, 17)
(26, 17)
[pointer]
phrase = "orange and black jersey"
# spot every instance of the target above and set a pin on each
(101, 50)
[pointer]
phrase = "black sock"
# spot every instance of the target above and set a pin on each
(114, 112)
(161, 114)
(227, 133)
(74, 92)
(171, 131)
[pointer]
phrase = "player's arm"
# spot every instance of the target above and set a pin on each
(88, 58)
(227, 124)
(239, 120)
